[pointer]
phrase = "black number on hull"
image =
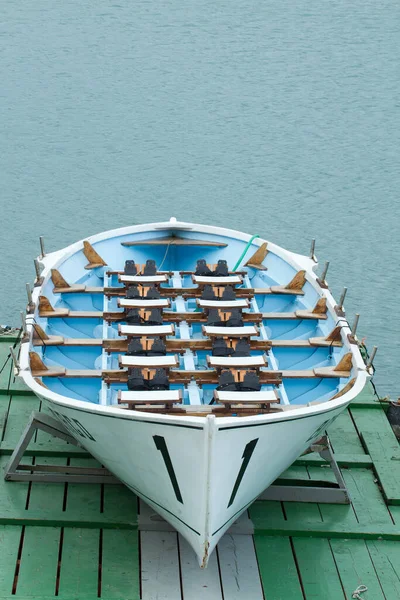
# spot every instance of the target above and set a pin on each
(162, 447)
(246, 456)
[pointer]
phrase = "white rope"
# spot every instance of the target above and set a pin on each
(165, 256)
(360, 590)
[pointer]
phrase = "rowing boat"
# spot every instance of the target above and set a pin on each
(195, 362)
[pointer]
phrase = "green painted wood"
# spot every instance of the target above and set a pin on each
(343, 460)
(343, 436)
(9, 545)
(120, 565)
(367, 500)
(13, 497)
(46, 448)
(367, 396)
(277, 568)
(39, 558)
(20, 410)
(120, 501)
(356, 568)
(79, 572)
(87, 495)
(386, 560)
(4, 407)
(319, 575)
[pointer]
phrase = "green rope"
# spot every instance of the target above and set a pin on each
(245, 250)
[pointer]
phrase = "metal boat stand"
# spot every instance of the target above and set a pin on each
(287, 490)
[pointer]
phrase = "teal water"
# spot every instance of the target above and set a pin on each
(280, 119)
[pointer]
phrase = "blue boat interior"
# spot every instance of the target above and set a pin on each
(81, 344)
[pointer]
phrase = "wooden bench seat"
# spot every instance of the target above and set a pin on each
(142, 279)
(143, 303)
(206, 280)
(261, 397)
(167, 361)
(175, 241)
(144, 330)
(201, 376)
(223, 304)
(78, 289)
(236, 361)
(212, 331)
(178, 345)
(69, 373)
(298, 314)
(150, 397)
(247, 317)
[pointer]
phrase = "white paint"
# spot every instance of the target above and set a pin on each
(236, 361)
(231, 331)
(143, 303)
(240, 303)
(231, 279)
(146, 330)
(170, 360)
(262, 396)
(151, 396)
(142, 278)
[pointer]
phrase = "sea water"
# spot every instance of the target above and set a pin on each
(276, 118)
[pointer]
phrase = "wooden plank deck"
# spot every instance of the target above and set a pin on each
(91, 541)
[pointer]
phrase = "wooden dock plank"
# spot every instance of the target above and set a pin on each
(384, 449)
(356, 568)
(277, 568)
(343, 435)
(120, 565)
(9, 546)
(39, 559)
(160, 565)
(317, 568)
(318, 572)
(13, 496)
(79, 569)
(239, 568)
(386, 560)
(19, 412)
(198, 584)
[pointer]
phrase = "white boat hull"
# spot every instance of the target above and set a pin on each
(198, 474)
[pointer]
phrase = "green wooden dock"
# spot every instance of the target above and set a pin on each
(88, 541)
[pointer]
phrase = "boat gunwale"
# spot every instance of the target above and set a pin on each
(296, 261)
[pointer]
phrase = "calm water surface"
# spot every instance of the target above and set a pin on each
(280, 119)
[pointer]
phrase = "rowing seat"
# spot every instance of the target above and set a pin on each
(221, 270)
(161, 278)
(246, 331)
(240, 303)
(215, 280)
(130, 267)
(208, 293)
(236, 361)
(168, 361)
(229, 397)
(153, 293)
(143, 303)
(202, 268)
(166, 397)
(220, 347)
(132, 292)
(146, 330)
(150, 268)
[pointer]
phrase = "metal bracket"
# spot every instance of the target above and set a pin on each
(322, 492)
(14, 471)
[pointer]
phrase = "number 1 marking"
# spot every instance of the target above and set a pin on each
(162, 447)
(246, 456)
